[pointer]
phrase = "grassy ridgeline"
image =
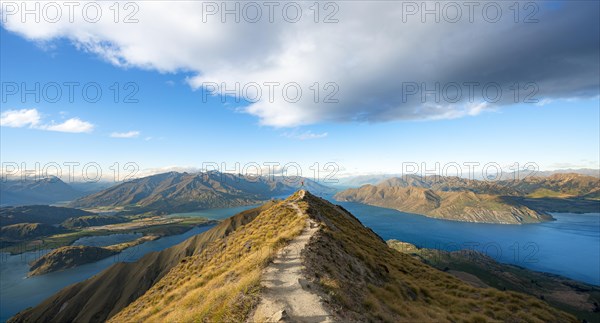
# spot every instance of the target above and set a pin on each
(215, 277)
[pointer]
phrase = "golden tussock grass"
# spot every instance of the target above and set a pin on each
(222, 283)
(365, 280)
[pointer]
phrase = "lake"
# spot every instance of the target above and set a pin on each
(18, 292)
(569, 246)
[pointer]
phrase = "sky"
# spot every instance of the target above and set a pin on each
(169, 100)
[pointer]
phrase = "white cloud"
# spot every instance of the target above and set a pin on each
(20, 118)
(73, 125)
(129, 134)
(367, 56)
(32, 118)
(306, 135)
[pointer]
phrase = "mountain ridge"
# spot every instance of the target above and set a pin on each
(183, 192)
(463, 206)
(108, 292)
(460, 199)
(216, 276)
(41, 191)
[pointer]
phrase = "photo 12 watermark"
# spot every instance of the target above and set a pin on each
(69, 171)
(471, 91)
(486, 171)
(270, 11)
(69, 92)
(55, 12)
(272, 91)
(490, 12)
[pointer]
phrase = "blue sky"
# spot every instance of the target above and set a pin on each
(174, 127)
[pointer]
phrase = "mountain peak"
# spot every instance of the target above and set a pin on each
(298, 195)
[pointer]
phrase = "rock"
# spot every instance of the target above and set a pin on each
(279, 316)
(304, 283)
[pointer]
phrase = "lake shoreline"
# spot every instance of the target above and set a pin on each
(550, 247)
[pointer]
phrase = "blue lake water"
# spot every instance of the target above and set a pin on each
(18, 292)
(569, 246)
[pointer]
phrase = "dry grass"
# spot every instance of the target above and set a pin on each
(360, 277)
(222, 283)
(365, 280)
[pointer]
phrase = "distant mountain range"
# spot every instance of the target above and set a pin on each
(580, 171)
(458, 206)
(460, 199)
(183, 192)
(50, 190)
(43, 191)
(555, 185)
(360, 180)
(163, 193)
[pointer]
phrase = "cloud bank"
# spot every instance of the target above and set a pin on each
(360, 61)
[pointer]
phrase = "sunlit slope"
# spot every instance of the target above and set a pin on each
(357, 276)
(108, 292)
(217, 277)
(362, 279)
(449, 205)
(514, 201)
(222, 283)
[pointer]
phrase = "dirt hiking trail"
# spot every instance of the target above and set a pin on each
(287, 295)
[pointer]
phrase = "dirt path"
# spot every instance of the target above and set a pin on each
(287, 296)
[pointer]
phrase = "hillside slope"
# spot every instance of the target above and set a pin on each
(565, 185)
(362, 279)
(68, 257)
(108, 292)
(223, 275)
(91, 221)
(568, 185)
(22, 231)
(458, 206)
(226, 276)
(577, 298)
(38, 214)
(526, 200)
